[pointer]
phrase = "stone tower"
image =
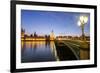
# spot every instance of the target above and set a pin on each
(52, 36)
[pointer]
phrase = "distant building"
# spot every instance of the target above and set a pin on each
(22, 33)
(87, 38)
(52, 36)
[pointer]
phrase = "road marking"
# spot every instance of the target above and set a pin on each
(74, 44)
(76, 47)
(71, 49)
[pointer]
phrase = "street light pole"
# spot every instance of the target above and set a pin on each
(82, 21)
(83, 35)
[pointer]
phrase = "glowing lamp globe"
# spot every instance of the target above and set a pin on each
(85, 19)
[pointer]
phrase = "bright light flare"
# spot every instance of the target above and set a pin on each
(79, 23)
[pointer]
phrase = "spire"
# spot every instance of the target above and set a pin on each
(52, 36)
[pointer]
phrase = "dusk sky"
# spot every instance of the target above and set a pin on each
(43, 22)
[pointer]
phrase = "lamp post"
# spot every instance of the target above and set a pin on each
(82, 21)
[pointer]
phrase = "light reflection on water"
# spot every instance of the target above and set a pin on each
(44, 51)
(38, 51)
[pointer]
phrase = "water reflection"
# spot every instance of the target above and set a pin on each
(43, 51)
(38, 51)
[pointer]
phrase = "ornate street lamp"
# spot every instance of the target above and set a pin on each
(82, 21)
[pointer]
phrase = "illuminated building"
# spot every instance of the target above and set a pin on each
(52, 36)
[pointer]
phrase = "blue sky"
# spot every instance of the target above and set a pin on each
(43, 22)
